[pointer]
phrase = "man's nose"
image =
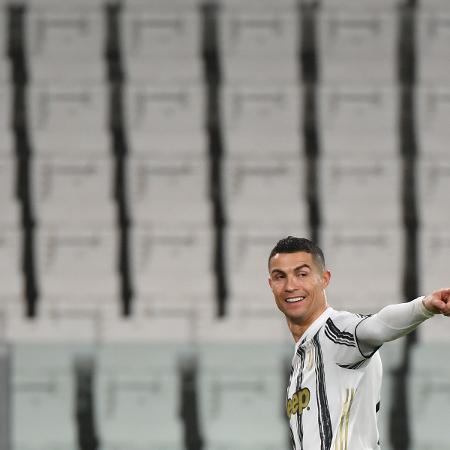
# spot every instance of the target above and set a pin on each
(290, 284)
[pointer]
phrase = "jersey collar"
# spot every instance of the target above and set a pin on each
(314, 327)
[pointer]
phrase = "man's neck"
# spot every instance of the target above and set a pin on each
(298, 329)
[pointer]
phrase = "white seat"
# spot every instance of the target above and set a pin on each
(8, 196)
(169, 190)
(5, 76)
(77, 261)
(435, 330)
(433, 188)
(10, 304)
(6, 108)
(259, 41)
(64, 41)
(433, 53)
(236, 380)
(161, 40)
(67, 119)
(160, 253)
(137, 396)
(156, 304)
(434, 246)
(429, 396)
(144, 326)
(384, 5)
(254, 183)
(43, 400)
(358, 119)
(242, 325)
(5, 406)
(11, 262)
(261, 118)
(392, 354)
(366, 266)
(61, 184)
(432, 106)
(366, 35)
(247, 253)
(165, 116)
(353, 191)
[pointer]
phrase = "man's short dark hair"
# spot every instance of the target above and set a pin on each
(292, 244)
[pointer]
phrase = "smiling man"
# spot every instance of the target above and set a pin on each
(334, 387)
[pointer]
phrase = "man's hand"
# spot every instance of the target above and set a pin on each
(438, 302)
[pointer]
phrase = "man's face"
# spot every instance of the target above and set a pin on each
(298, 284)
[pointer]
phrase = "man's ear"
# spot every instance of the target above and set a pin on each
(326, 277)
(270, 282)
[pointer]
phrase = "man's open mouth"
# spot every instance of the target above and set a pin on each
(294, 299)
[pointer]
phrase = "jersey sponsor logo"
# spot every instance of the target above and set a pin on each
(298, 402)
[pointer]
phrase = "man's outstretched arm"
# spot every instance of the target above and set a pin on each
(397, 320)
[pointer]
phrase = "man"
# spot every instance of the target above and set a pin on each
(334, 387)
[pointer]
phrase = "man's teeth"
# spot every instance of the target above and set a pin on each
(295, 299)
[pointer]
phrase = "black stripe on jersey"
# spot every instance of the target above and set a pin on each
(291, 374)
(301, 353)
(325, 428)
(338, 336)
(337, 341)
(353, 366)
(377, 407)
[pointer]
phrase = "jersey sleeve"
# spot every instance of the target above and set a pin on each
(340, 336)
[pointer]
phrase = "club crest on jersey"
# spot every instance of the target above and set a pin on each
(298, 402)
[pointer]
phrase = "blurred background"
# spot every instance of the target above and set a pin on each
(151, 155)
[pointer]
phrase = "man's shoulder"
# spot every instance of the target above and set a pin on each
(344, 319)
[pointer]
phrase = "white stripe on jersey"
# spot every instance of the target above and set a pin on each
(333, 389)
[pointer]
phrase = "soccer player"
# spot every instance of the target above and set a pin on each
(334, 388)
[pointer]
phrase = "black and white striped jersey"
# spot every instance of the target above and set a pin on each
(334, 391)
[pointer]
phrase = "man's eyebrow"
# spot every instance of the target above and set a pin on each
(303, 266)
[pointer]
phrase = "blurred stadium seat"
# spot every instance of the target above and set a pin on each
(172, 262)
(6, 109)
(429, 394)
(139, 381)
(432, 106)
(77, 261)
(366, 265)
(346, 4)
(362, 190)
(259, 40)
(5, 70)
(42, 395)
(165, 117)
(11, 262)
(432, 51)
(169, 189)
(68, 118)
(433, 189)
(256, 183)
(358, 119)
(161, 40)
(65, 41)
(434, 248)
(260, 118)
(236, 380)
(10, 215)
(392, 356)
(363, 33)
(60, 184)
